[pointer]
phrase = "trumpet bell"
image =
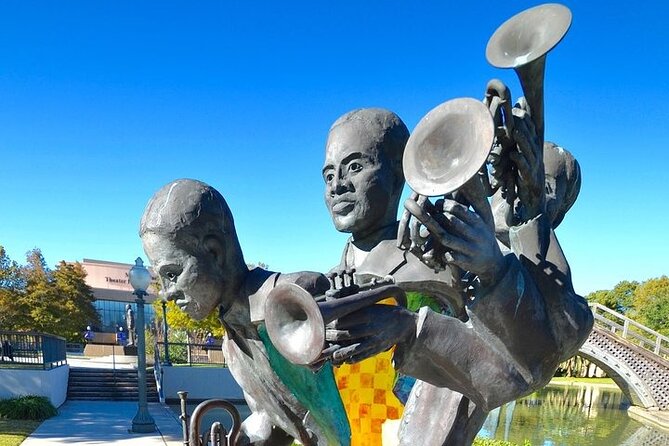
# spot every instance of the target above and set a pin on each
(448, 146)
(295, 324)
(528, 35)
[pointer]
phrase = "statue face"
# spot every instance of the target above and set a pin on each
(195, 282)
(358, 185)
(556, 189)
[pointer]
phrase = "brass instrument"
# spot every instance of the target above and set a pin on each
(448, 147)
(296, 321)
(522, 43)
(218, 435)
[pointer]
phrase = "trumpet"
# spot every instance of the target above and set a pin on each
(522, 43)
(218, 435)
(296, 321)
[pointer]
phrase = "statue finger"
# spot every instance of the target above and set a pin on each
(368, 350)
(403, 230)
(462, 212)
(437, 231)
(355, 332)
(523, 165)
(341, 355)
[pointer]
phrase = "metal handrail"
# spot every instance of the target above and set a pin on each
(32, 349)
(622, 327)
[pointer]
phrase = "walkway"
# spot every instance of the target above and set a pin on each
(105, 422)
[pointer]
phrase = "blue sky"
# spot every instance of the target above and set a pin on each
(101, 103)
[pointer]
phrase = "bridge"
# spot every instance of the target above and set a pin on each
(634, 356)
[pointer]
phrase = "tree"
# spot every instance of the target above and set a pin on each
(651, 304)
(34, 298)
(620, 298)
(11, 282)
(76, 297)
(10, 272)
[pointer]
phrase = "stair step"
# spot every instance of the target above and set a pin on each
(114, 385)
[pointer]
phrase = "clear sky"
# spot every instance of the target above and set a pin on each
(102, 103)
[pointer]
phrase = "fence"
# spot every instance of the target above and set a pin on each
(31, 350)
(631, 330)
(191, 354)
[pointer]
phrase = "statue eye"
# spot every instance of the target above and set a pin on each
(170, 276)
(355, 167)
(329, 177)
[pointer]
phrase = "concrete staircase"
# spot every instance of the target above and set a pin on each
(108, 384)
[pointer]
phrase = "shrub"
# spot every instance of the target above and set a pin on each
(29, 407)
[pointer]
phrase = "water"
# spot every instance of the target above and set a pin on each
(571, 415)
(588, 415)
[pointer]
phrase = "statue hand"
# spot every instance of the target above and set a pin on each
(367, 332)
(469, 241)
(528, 160)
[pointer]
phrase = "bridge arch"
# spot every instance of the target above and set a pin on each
(633, 355)
(598, 349)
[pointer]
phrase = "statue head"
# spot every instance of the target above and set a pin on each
(563, 181)
(363, 170)
(128, 307)
(189, 235)
(562, 185)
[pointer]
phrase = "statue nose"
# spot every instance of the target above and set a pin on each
(168, 294)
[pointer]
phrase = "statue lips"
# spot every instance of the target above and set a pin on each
(343, 207)
(182, 303)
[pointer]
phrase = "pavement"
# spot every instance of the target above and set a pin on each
(105, 422)
(86, 423)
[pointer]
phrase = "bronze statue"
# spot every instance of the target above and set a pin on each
(130, 324)
(188, 233)
(508, 328)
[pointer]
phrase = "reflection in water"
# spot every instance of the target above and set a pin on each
(567, 416)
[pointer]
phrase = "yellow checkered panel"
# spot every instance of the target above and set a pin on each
(366, 389)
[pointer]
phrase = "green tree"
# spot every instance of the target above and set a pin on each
(651, 304)
(34, 298)
(11, 283)
(10, 272)
(620, 298)
(76, 297)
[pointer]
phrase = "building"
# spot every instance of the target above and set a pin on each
(112, 290)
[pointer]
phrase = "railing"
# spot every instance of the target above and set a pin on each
(31, 350)
(631, 330)
(190, 354)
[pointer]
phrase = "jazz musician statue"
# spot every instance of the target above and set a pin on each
(501, 344)
(189, 235)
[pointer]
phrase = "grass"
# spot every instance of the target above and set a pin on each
(565, 379)
(13, 432)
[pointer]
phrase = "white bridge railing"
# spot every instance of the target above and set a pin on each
(631, 330)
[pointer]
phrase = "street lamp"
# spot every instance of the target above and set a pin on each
(140, 278)
(165, 342)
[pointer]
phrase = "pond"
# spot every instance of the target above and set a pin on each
(577, 415)
(583, 415)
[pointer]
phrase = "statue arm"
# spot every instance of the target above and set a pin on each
(502, 352)
(568, 313)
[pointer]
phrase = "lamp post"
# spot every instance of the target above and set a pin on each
(165, 342)
(140, 278)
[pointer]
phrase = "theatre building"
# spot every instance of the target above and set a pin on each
(112, 290)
